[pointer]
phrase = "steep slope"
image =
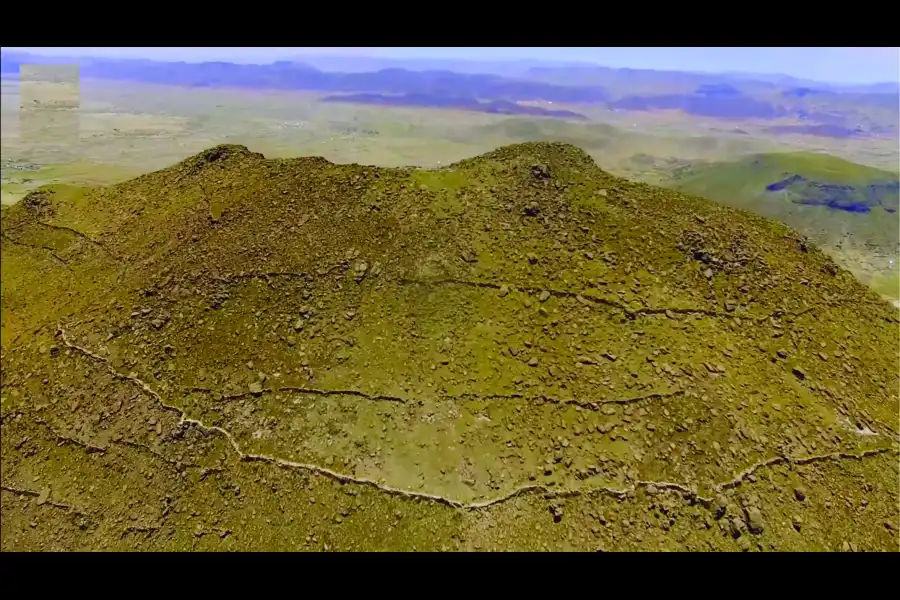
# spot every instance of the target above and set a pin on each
(520, 351)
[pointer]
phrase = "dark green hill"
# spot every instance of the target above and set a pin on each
(788, 186)
(520, 351)
(849, 209)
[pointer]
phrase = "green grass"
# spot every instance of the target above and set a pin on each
(18, 183)
(463, 389)
(823, 166)
(864, 242)
(742, 184)
(753, 173)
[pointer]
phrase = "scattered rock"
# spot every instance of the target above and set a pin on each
(754, 520)
(541, 172)
(159, 322)
(39, 203)
(256, 388)
(545, 295)
(556, 509)
(735, 527)
(532, 209)
(800, 493)
(361, 269)
(720, 506)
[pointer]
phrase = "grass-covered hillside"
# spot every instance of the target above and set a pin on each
(848, 208)
(516, 352)
(806, 179)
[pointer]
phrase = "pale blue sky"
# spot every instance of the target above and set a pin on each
(845, 65)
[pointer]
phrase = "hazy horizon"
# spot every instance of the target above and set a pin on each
(827, 65)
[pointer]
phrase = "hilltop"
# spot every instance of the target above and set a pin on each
(519, 351)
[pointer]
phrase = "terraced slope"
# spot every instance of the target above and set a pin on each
(520, 351)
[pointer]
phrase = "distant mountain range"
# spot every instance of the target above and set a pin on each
(299, 76)
(821, 130)
(588, 74)
(736, 106)
(823, 109)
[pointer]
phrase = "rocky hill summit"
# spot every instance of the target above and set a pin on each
(520, 351)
